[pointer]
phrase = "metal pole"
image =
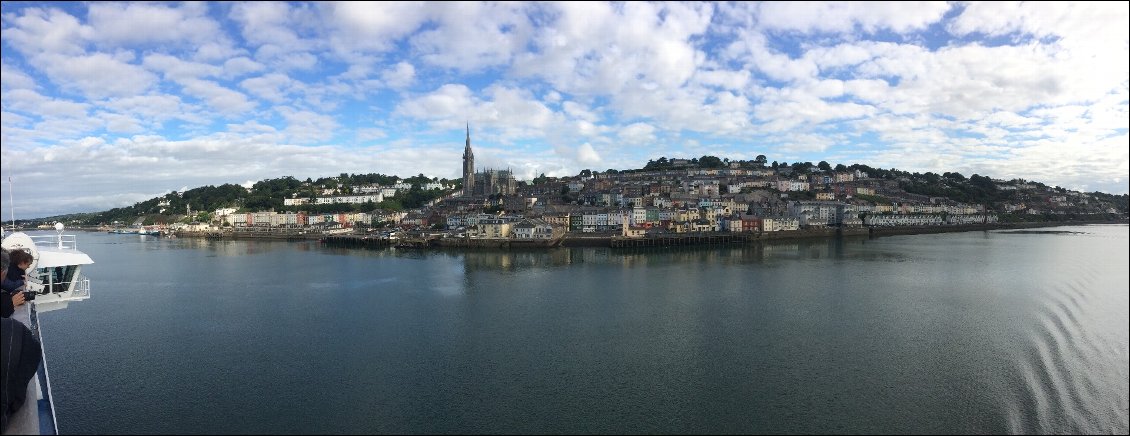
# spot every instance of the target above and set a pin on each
(11, 203)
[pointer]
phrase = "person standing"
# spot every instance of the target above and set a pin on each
(19, 360)
(12, 298)
(19, 262)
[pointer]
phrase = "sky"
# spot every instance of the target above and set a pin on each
(107, 104)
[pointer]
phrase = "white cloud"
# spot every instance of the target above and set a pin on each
(596, 48)
(96, 76)
(450, 103)
(586, 154)
(638, 134)
(239, 66)
(807, 17)
(276, 32)
(150, 24)
(271, 87)
(471, 35)
(118, 123)
(306, 126)
(400, 76)
(12, 78)
(218, 97)
(578, 111)
(176, 69)
(726, 79)
(1080, 24)
(41, 30)
(33, 103)
(158, 107)
(370, 134)
(373, 26)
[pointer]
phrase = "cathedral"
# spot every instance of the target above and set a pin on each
(488, 182)
(468, 166)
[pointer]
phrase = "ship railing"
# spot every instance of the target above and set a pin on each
(63, 242)
(82, 288)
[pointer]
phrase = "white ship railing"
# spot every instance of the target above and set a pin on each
(62, 242)
(82, 288)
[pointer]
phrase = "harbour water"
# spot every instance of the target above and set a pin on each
(976, 332)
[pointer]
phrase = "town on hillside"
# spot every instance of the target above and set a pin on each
(666, 196)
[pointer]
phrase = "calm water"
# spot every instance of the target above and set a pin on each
(979, 332)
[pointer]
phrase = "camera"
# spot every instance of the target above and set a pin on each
(29, 296)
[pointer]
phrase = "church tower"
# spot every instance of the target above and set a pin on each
(468, 167)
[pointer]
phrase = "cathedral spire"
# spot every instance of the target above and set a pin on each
(468, 166)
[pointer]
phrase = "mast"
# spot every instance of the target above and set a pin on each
(11, 204)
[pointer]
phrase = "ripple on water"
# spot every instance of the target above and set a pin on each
(1061, 361)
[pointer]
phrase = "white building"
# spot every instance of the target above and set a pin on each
(902, 220)
(533, 229)
(351, 199)
(223, 211)
(791, 185)
(778, 224)
(971, 219)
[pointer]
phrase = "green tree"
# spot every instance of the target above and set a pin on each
(954, 176)
(710, 162)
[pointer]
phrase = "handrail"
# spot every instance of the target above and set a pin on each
(82, 287)
(64, 242)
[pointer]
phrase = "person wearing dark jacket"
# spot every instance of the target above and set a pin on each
(10, 298)
(18, 263)
(22, 355)
(19, 359)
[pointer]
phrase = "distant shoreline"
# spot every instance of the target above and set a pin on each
(742, 238)
(867, 231)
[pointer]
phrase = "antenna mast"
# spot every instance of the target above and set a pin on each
(11, 204)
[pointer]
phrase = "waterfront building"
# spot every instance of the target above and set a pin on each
(495, 228)
(533, 228)
(971, 219)
(779, 223)
(902, 220)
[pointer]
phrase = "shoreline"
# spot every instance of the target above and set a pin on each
(673, 239)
